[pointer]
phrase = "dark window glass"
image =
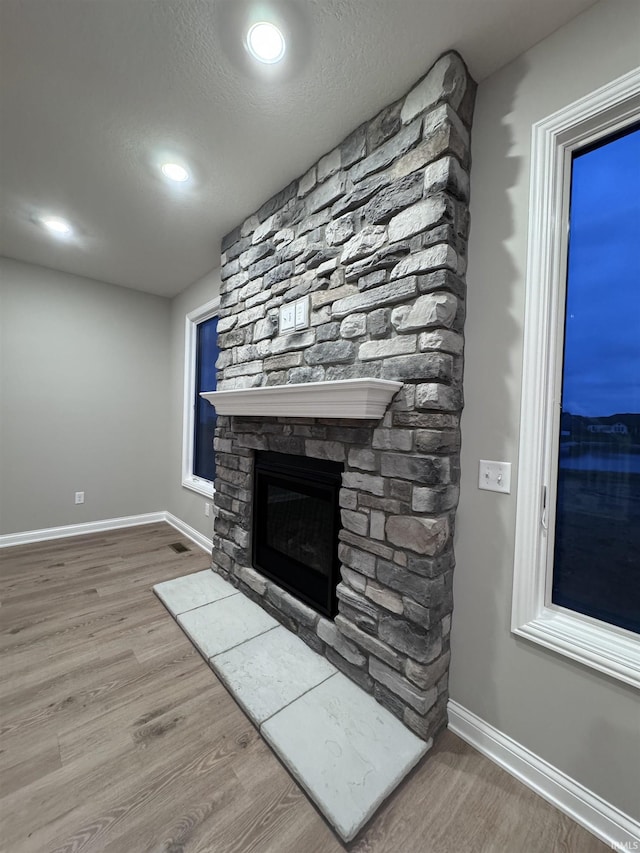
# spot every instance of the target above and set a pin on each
(597, 536)
(204, 414)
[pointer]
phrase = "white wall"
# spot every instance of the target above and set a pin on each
(83, 399)
(580, 721)
(182, 502)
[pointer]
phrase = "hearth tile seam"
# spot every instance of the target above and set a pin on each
(241, 643)
(266, 720)
(206, 659)
(199, 606)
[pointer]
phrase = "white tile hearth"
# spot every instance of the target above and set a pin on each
(357, 755)
(267, 673)
(346, 751)
(224, 624)
(185, 593)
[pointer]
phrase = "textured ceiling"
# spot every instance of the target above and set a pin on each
(97, 93)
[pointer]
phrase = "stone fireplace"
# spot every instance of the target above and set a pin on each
(374, 238)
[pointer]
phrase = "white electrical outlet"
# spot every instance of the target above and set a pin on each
(207, 509)
(495, 476)
(79, 497)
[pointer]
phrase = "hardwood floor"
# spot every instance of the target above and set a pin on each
(116, 736)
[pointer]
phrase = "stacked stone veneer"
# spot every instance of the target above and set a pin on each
(375, 233)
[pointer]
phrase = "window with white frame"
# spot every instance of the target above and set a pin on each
(201, 353)
(577, 559)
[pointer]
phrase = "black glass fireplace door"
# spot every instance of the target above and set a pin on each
(296, 519)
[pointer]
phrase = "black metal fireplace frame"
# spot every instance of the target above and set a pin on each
(312, 477)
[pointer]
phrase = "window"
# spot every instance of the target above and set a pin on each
(201, 353)
(577, 560)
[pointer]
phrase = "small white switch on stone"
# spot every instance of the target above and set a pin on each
(495, 476)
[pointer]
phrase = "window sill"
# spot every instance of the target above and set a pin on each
(604, 647)
(202, 487)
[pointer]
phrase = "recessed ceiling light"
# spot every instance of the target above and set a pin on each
(266, 42)
(56, 225)
(175, 172)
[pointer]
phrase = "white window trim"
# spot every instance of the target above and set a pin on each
(597, 644)
(192, 319)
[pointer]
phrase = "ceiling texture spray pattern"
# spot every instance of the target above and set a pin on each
(96, 96)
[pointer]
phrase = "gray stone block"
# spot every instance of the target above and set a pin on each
(332, 450)
(421, 217)
(364, 243)
(365, 543)
(392, 439)
(340, 230)
(363, 482)
(363, 458)
(446, 175)
(372, 279)
(435, 500)
(354, 147)
(330, 352)
(394, 704)
(329, 634)
(410, 368)
(293, 607)
(293, 341)
(446, 81)
(439, 397)
(360, 194)
(355, 580)
(382, 260)
(385, 597)
(277, 201)
(379, 323)
(409, 693)
(353, 326)
(358, 560)
(418, 643)
(328, 164)
(396, 196)
(360, 676)
(321, 298)
(326, 193)
(307, 182)
(388, 151)
(369, 643)
(442, 340)
(252, 579)
(356, 522)
(431, 567)
(429, 470)
(423, 535)
(435, 257)
(377, 297)
(328, 332)
(426, 676)
(298, 375)
(398, 345)
(385, 125)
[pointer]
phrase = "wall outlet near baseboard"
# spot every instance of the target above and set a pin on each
(79, 497)
(207, 508)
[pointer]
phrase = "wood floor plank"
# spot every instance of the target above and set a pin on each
(116, 737)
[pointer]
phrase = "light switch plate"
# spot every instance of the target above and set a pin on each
(302, 312)
(294, 315)
(495, 476)
(288, 317)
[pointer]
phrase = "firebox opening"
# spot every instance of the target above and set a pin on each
(296, 520)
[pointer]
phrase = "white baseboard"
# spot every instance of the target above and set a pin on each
(190, 532)
(604, 820)
(28, 536)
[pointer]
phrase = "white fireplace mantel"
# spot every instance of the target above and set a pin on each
(341, 398)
